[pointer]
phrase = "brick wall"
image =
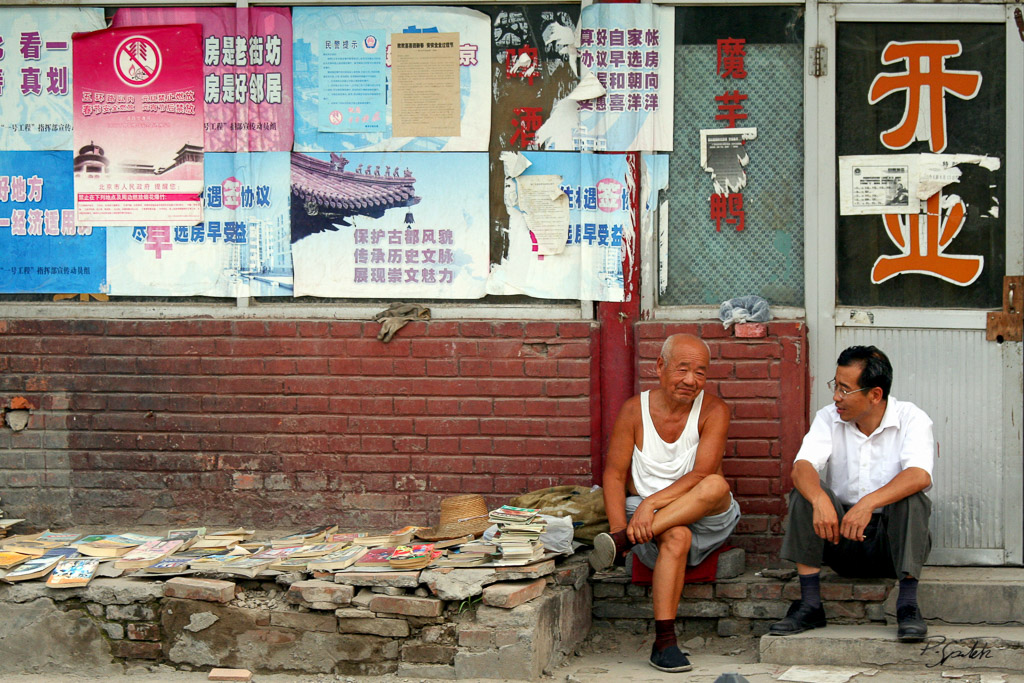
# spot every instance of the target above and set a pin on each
(287, 423)
(764, 383)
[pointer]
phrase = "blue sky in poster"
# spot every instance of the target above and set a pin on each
(41, 250)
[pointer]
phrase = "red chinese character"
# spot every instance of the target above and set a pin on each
(158, 239)
(728, 207)
(731, 53)
(730, 103)
(526, 127)
(929, 122)
(522, 63)
(927, 258)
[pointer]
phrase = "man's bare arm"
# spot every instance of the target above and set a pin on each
(617, 464)
(808, 483)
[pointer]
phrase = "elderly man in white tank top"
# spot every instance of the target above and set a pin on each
(664, 492)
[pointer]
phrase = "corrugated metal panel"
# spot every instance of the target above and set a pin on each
(957, 378)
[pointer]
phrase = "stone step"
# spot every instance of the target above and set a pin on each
(947, 647)
(968, 595)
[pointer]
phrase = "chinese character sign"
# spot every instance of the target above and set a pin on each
(386, 225)
(138, 126)
(247, 72)
(353, 81)
(921, 117)
(35, 74)
(629, 49)
(41, 248)
(599, 221)
(318, 29)
(242, 248)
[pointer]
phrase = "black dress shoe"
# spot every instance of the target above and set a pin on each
(911, 627)
(799, 618)
(671, 659)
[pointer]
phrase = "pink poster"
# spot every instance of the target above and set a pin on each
(247, 72)
(138, 126)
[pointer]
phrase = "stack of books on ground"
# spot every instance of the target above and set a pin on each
(392, 540)
(39, 567)
(73, 573)
(338, 560)
(6, 523)
(148, 554)
(518, 535)
(106, 546)
(413, 556)
(469, 554)
(509, 514)
(317, 534)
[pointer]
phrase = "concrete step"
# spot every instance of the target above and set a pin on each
(947, 647)
(968, 595)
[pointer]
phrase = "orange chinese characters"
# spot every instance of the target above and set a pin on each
(925, 78)
(922, 239)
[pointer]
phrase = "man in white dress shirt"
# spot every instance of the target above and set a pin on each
(664, 492)
(859, 502)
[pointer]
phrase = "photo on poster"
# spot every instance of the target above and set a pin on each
(386, 226)
(247, 72)
(724, 154)
(599, 223)
(242, 248)
(138, 126)
(41, 248)
(879, 184)
(36, 74)
(315, 26)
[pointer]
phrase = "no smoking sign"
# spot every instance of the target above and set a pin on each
(137, 61)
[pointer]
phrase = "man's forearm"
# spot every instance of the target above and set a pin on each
(905, 484)
(807, 481)
(614, 492)
(681, 486)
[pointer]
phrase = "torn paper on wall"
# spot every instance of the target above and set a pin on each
(878, 183)
(599, 219)
(514, 163)
(588, 88)
(723, 154)
(546, 210)
(936, 171)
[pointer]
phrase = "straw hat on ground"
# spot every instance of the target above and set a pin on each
(460, 515)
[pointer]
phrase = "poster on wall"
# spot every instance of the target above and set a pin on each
(589, 264)
(625, 94)
(35, 74)
(247, 72)
(387, 225)
(138, 126)
(41, 248)
(242, 248)
(353, 83)
(320, 32)
(534, 71)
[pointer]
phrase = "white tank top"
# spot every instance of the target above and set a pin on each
(661, 464)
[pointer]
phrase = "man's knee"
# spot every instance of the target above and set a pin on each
(714, 487)
(675, 541)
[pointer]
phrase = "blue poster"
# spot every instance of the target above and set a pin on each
(353, 81)
(243, 248)
(390, 226)
(600, 225)
(35, 74)
(314, 26)
(41, 249)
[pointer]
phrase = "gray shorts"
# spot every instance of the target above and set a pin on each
(708, 533)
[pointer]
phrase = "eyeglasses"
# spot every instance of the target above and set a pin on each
(833, 388)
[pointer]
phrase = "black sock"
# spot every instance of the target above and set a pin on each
(664, 634)
(908, 593)
(810, 589)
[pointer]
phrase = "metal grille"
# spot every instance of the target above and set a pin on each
(767, 257)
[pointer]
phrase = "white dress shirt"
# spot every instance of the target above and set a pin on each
(858, 463)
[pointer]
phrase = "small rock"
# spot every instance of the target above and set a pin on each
(694, 643)
(781, 573)
(421, 592)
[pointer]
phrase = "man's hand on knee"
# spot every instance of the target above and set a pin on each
(640, 529)
(855, 521)
(826, 521)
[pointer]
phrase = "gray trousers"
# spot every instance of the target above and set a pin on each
(896, 544)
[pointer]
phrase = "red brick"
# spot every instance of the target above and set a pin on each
(438, 463)
(507, 465)
(509, 594)
(406, 605)
(143, 631)
(747, 448)
(731, 590)
(133, 649)
(741, 350)
(429, 426)
(752, 429)
(378, 463)
(749, 388)
(752, 487)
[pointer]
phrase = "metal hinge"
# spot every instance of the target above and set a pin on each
(817, 61)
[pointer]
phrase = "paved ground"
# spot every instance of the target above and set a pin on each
(613, 657)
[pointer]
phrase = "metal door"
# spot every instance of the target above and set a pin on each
(919, 286)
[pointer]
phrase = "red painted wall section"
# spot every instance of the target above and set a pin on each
(288, 423)
(764, 382)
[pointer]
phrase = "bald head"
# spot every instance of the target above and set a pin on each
(678, 341)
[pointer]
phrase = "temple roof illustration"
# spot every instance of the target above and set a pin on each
(327, 188)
